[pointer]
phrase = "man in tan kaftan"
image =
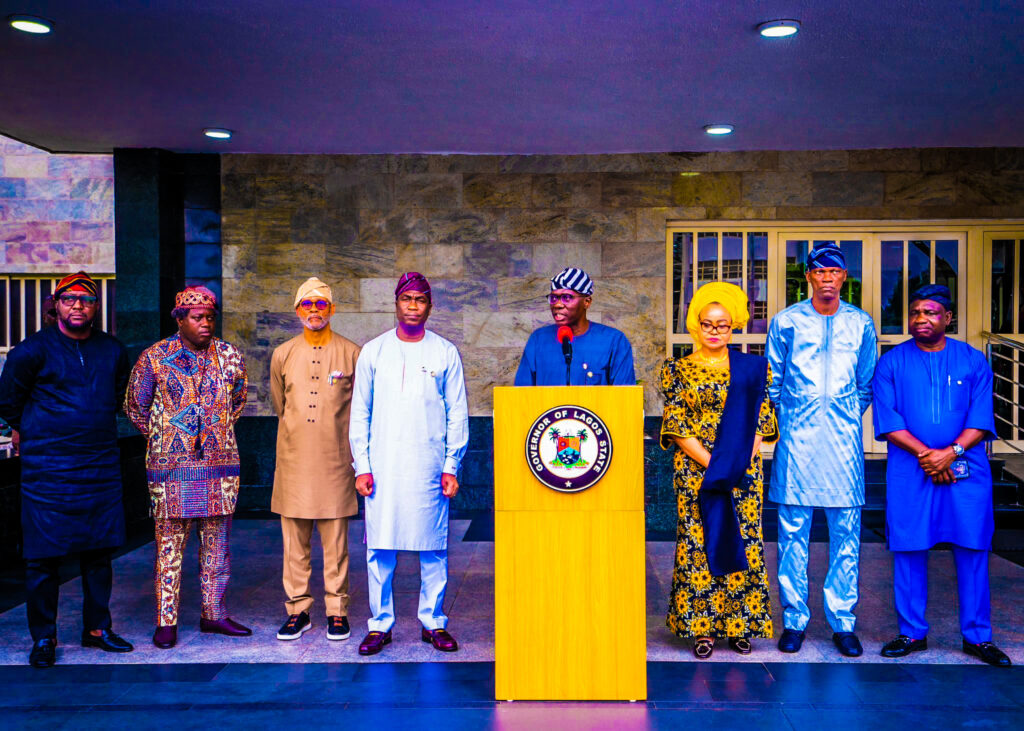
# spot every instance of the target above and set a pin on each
(311, 389)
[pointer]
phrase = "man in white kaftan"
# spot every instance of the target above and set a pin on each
(409, 431)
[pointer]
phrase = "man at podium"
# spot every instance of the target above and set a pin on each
(575, 351)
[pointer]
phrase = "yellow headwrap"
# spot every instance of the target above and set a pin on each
(729, 296)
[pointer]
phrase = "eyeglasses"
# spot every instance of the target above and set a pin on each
(710, 327)
(555, 298)
(87, 300)
(310, 304)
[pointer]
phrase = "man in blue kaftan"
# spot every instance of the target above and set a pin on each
(599, 355)
(933, 404)
(822, 353)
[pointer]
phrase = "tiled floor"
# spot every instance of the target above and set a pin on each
(255, 597)
(210, 681)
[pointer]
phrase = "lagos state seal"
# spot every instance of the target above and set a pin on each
(569, 448)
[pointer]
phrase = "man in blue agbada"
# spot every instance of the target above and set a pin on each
(599, 355)
(822, 353)
(933, 404)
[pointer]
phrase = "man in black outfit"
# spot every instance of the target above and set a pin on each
(61, 389)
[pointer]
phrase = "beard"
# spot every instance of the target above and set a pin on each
(70, 326)
(311, 322)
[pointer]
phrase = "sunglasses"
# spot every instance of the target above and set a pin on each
(87, 300)
(318, 304)
(565, 297)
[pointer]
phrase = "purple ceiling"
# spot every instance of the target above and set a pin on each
(510, 76)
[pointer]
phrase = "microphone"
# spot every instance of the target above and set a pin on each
(564, 336)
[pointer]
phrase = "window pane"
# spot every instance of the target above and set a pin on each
(796, 266)
(919, 264)
(109, 307)
(707, 258)
(3, 313)
(947, 266)
(1002, 286)
(15, 299)
(1002, 386)
(757, 281)
(853, 251)
(29, 298)
(892, 288)
(681, 350)
(682, 278)
(732, 258)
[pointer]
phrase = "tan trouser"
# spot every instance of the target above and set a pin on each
(297, 533)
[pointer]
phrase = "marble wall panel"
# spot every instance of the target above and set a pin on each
(607, 224)
(507, 329)
(403, 225)
(707, 189)
(651, 222)
(523, 293)
(497, 259)
(813, 160)
(743, 161)
(430, 260)
(636, 191)
(999, 188)
(634, 260)
(923, 189)
(428, 190)
(456, 295)
(345, 261)
(348, 189)
(908, 160)
(290, 259)
(530, 225)
(463, 225)
(848, 189)
(377, 294)
(777, 189)
(362, 327)
(292, 191)
(512, 190)
(490, 230)
(550, 259)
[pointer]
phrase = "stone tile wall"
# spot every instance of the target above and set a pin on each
(56, 211)
(490, 230)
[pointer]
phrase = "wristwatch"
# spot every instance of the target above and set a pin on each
(958, 450)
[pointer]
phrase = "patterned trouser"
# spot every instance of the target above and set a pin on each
(214, 565)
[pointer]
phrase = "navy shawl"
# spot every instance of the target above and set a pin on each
(730, 458)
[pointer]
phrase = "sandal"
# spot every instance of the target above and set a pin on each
(703, 647)
(740, 645)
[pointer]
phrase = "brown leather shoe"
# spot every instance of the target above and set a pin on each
(166, 637)
(226, 626)
(440, 639)
(374, 642)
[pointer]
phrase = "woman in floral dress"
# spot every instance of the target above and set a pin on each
(703, 606)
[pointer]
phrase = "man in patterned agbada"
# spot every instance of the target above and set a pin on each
(185, 394)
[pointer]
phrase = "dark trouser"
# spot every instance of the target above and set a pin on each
(42, 582)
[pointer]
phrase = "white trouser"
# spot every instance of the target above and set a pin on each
(380, 570)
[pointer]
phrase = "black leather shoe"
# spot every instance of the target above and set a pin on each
(107, 640)
(847, 643)
(791, 641)
(986, 652)
(903, 646)
(44, 653)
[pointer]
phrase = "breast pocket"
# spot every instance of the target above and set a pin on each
(958, 394)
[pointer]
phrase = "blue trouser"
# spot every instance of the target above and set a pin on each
(841, 582)
(910, 581)
(380, 570)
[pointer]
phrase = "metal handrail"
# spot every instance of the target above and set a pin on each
(992, 340)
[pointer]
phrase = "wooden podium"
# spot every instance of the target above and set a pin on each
(569, 586)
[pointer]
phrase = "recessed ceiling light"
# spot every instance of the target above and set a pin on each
(718, 129)
(779, 28)
(218, 133)
(30, 24)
